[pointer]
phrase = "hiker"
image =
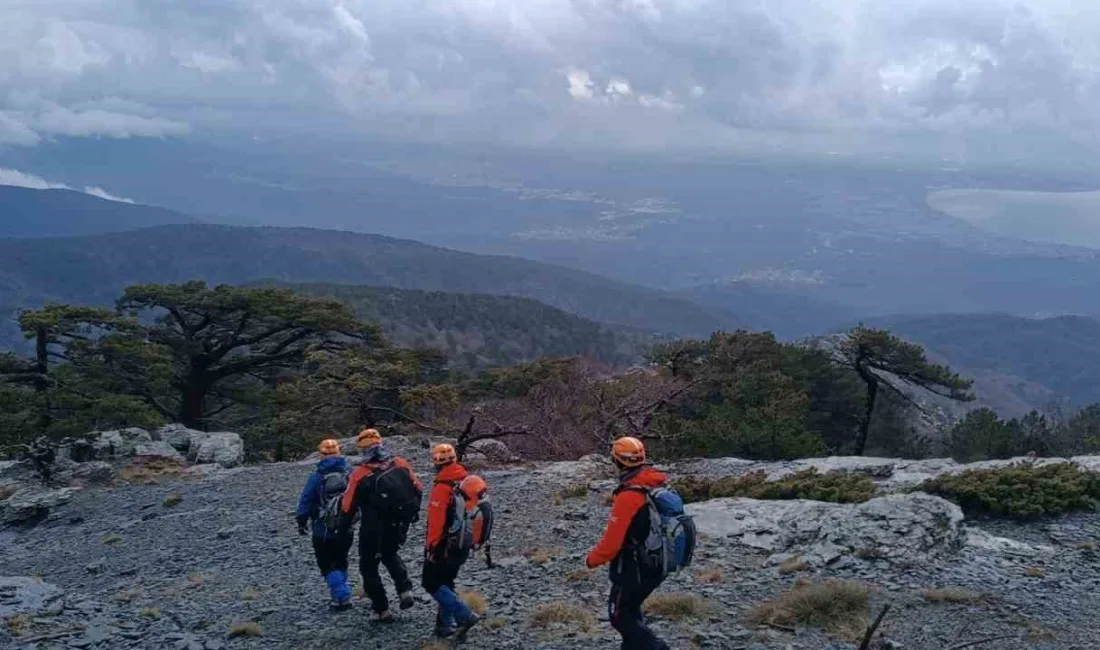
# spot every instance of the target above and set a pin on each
(647, 538)
(384, 490)
(448, 542)
(320, 502)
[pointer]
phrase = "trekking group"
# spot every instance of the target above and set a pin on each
(647, 537)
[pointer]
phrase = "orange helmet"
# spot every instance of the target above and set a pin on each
(628, 452)
(443, 454)
(474, 487)
(368, 438)
(329, 447)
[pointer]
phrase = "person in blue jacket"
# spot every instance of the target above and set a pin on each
(331, 543)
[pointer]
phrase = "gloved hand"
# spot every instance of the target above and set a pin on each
(302, 529)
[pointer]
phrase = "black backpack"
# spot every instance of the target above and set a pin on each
(394, 496)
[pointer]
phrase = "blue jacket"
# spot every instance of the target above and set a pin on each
(311, 501)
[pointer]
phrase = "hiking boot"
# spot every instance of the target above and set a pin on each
(341, 605)
(444, 631)
(384, 617)
(406, 600)
(460, 632)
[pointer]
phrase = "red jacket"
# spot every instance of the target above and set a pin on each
(347, 504)
(438, 503)
(626, 506)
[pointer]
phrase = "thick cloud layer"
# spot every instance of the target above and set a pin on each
(623, 71)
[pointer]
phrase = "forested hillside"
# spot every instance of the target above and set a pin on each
(94, 270)
(62, 213)
(479, 330)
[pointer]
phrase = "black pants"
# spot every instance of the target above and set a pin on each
(332, 553)
(440, 573)
(380, 544)
(624, 607)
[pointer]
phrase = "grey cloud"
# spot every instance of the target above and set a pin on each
(651, 70)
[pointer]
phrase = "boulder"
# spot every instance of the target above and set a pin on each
(119, 443)
(28, 596)
(224, 448)
(494, 451)
(31, 502)
(96, 472)
(180, 437)
(158, 449)
(894, 527)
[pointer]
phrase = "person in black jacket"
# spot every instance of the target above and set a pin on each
(386, 513)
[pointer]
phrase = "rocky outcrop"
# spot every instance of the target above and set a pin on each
(119, 443)
(28, 596)
(31, 502)
(158, 449)
(891, 474)
(896, 527)
(223, 448)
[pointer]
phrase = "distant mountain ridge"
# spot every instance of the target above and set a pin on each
(28, 212)
(1024, 355)
(95, 269)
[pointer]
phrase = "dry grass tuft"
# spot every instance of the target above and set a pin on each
(497, 623)
(952, 595)
(436, 645)
(577, 490)
(710, 576)
(6, 491)
(195, 581)
(869, 553)
(247, 628)
(541, 556)
(151, 613)
(172, 500)
(837, 606)
(112, 538)
(564, 613)
(1037, 633)
(250, 594)
(793, 565)
(128, 595)
(149, 471)
(579, 575)
(1085, 546)
(475, 601)
(678, 607)
(1034, 572)
(18, 625)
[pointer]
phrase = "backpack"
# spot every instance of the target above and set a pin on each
(332, 487)
(395, 497)
(670, 544)
(470, 520)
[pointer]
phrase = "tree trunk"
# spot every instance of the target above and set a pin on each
(192, 405)
(42, 382)
(872, 392)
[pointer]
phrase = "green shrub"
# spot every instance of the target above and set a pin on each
(1022, 492)
(833, 487)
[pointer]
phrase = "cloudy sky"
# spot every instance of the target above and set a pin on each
(620, 72)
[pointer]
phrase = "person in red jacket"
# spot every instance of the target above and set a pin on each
(381, 535)
(442, 561)
(627, 527)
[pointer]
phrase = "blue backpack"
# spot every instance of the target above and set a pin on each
(670, 544)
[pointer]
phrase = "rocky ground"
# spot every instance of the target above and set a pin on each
(187, 561)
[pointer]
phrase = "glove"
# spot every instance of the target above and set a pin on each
(302, 530)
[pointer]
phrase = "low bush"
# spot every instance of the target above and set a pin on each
(833, 487)
(1019, 491)
(837, 606)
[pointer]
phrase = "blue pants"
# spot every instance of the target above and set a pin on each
(332, 560)
(439, 581)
